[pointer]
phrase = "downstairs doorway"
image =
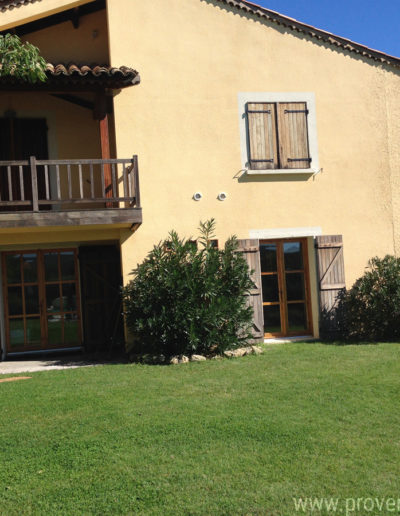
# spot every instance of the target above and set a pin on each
(285, 287)
(63, 298)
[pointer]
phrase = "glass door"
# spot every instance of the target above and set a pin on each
(22, 301)
(271, 289)
(41, 299)
(284, 275)
(61, 289)
(295, 288)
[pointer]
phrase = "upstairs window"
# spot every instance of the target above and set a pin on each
(278, 135)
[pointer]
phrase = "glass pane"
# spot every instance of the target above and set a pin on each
(293, 256)
(16, 333)
(54, 328)
(53, 298)
(270, 289)
(295, 286)
(51, 266)
(268, 257)
(29, 265)
(67, 259)
(272, 319)
(13, 268)
(15, 301)
(71, 334)
(297, 317)
(33, 333)
(32, 299)
(69, 297)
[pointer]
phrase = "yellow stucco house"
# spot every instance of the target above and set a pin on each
(287, 135)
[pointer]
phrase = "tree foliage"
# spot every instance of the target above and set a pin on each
(189, 297)
(370, 310)
(21, 59)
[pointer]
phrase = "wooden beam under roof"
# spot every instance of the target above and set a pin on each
(72, 15)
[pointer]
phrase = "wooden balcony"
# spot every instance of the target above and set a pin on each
(73, 192)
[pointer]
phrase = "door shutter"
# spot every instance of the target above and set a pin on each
(101, 281)
(293, 135)
(251, 253)
(331, 280)
(261, 122)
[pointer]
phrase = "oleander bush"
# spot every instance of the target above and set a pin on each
(370, 310)
(189, 297)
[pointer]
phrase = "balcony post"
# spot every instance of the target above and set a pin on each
(136, 180)
(35, 203)
(100, 114)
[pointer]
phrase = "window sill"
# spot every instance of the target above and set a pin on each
(282, 172)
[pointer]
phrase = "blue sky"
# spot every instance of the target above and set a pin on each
(374, 23)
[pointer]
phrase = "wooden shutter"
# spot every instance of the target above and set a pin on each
(331, 280)
(293, 135)
(251, 252)
(261, 122)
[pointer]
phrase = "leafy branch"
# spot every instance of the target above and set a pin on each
(21, 60)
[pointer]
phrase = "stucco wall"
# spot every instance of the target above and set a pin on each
(62, 43)
(392, 95)
(182, 120)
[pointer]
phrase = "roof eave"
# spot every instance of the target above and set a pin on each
(319, 34)
(68, 78)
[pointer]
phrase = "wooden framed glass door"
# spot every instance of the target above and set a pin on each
(22, 301)
(285, 287)
(41, 299)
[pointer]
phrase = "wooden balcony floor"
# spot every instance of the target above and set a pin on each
(108, 216)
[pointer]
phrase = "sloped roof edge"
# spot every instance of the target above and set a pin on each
(5, 5)
(319, 34)
(75, 77)
(95, 70)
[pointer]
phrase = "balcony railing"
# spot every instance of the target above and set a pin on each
(37, 185)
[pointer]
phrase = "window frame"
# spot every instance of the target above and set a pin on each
(245, 98)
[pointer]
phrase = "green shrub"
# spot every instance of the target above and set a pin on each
(370, 310)
(189, 297)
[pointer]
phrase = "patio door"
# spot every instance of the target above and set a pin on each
(41, 300)
(285, 287)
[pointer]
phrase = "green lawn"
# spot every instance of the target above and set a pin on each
(242, 436)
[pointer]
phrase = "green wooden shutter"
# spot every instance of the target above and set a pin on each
(261, 123)
(251, 252)
(293, 135)
(331, 280)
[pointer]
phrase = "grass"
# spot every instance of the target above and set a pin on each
(240, 436)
